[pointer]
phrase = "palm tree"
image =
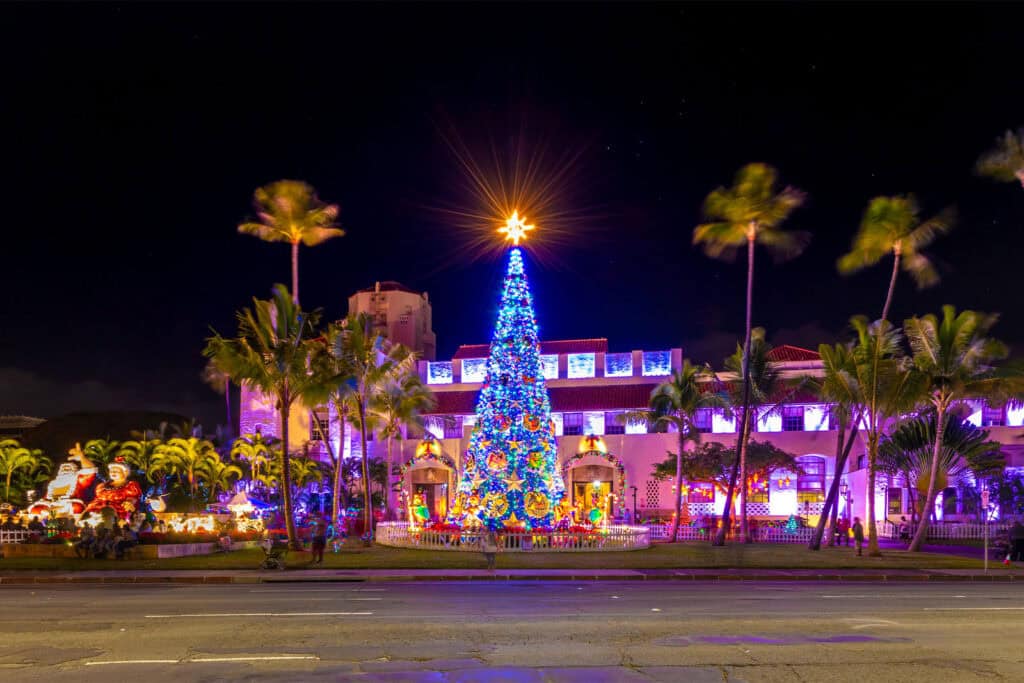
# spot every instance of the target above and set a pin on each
(1005, 161)
(305, 471)
(953, 357)
(675, 402)
(746, 214)
(840, 388)
(289, 211)
(14, 458)
(143, 456)
(219, 381)
(189, 459)
(965, 449)
(891, 226)
(399, 405)
(882, 388)
(101, 451)
(256, 451)
(765, 386)
(220, 476)
(359, 365)
(271, 355)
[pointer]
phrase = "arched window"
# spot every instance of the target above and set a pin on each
(810, 484)
(949, 502)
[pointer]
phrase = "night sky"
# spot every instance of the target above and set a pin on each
(134, 135)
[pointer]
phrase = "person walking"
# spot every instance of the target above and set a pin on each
(843, 532)
(489, 545)
(858, 534)
(1016, 538)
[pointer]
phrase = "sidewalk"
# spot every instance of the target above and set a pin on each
(995, 573)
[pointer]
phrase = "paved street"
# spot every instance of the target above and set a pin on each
(516, 631)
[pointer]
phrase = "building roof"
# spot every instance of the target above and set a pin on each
(389, 286)
(579, 399)
(599, 345)
(788, 353)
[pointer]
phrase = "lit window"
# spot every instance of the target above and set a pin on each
(439, 372)
(549, 366)
(474, 369)
(613, 423)
(721, 424)
(792, 418)
(1015, 416)
(657, 363)
(769, 421)
(434, 426)
(557, 419)
(817, 418)
(993, 417)
(636, 426)
(810, 485)
(618, 365)
(453, 427)
(319, 426)
(593, 423)
(572, 424)
(581, 365)
(702, 420)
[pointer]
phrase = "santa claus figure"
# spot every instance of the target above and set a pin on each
(119, 494)
(71, 490)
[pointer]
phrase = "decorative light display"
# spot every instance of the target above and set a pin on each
(791, 525)
(515, 229)
(510, 477)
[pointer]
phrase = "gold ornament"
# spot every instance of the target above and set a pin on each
(514, 483)
(496, 504)
(536, 504)
(497, 461)
(512, 521)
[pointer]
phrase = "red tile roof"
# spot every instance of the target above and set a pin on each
(787, 353)
(546, 347)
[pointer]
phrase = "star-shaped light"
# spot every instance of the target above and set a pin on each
(477, 480)
(512, 521)
(514, 483)
(515, 228)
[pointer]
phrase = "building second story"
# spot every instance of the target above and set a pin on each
(403, 315)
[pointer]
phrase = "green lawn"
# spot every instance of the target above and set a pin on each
(662, 556)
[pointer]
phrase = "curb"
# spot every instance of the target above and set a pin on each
(413, 578)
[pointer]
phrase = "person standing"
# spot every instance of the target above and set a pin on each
(319, 540)
(858, 534)
(489, 545)
(843, 531)
(1016, 538)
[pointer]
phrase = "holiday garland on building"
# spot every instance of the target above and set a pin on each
(510, 477)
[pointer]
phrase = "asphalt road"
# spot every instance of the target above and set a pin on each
(517, 631)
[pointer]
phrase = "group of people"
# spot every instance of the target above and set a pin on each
(844, 531)
(104, 542)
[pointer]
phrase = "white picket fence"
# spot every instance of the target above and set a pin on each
(660, 532)
(14, 536)
(955, 531)
(614, 538)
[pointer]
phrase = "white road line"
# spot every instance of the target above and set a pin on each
(258, 614)
(134, 661)
(970, 609)
(206, 660)
(268, 658)
(320, 590)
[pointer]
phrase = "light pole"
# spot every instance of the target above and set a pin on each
(634, 503)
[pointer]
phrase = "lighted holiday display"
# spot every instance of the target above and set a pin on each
(510, 478)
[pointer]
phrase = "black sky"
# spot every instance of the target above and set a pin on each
(135, 134)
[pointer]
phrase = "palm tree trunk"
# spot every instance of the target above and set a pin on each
(723, 530)
(873, 550)
(677, 504)
(227, 405)
(892, 285)
(295, 272)
(387, 481)
(286, 477)
(752, 234)
(367, 491)
(933, 477)
(843, 448)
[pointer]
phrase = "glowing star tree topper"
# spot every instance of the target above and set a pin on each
(510, 476)
(515, 228)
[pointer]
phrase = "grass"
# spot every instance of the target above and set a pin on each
(661, 556)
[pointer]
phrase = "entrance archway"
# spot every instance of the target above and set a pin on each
(596, 480)
(426, 482)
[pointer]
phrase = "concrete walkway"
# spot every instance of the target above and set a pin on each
(995, 573)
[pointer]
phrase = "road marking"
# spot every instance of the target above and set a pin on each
(947, 609)
(258, 614)
(207, 660)
(134, 661)
(321, 590)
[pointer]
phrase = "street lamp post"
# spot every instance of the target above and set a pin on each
(634, 503)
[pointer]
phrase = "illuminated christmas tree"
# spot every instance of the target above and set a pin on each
(510, 474)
